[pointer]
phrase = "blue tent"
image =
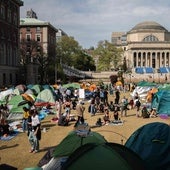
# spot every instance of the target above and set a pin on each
(152, 143)
(161, 101)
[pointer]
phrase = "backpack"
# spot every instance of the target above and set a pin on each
(138, 103)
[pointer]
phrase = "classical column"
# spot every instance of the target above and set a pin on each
(141, 59)
(137, 59)
(150, 59)
(146, 59)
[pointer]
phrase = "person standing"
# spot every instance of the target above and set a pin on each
(25, 119)
(138, 104)
(80, 111)
(59, 108)
(117, 98)
(124, 106)
(35, 134)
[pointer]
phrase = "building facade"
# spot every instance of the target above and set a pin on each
(9, 41)
(146, 48)
(43, 35)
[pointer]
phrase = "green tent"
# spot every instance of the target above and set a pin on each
(37, 89)
(71, 85)
(15, 100)
(17, 103)
(72, 141)
(107, 156)
(45, 96)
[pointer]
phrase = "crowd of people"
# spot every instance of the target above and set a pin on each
(111, 111)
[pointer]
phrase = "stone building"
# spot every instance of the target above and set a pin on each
(146, 47)
(44, 34)
(9, 41)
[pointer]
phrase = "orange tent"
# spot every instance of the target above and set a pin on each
(150, 94)
(92, 87)
(27, 97)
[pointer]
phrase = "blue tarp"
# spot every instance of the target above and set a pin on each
(163, 70)
(149, 70)
(139, 70)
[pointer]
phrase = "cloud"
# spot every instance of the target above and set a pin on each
(90, 21)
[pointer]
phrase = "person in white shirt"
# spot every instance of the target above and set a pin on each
(35, 133)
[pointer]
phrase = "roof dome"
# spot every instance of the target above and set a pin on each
(148, 25)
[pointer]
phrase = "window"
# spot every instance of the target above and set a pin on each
(2, 12)
(15, 19)
(150, 38)
(9, 15)
(10, 78)
(38, 29)
(38, 37)
(28, 37)
(4, 78)
(28, 29)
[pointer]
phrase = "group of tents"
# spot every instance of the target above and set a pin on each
(160, 95)
(148, 148)
(26, 96)
(38, 95)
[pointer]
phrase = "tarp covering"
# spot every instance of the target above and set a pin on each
(152, 143)
(146, 83)
(142, 88)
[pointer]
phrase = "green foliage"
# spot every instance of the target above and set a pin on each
(109, 56)
(70, 53)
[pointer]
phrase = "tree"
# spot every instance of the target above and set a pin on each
(109, 56)
(32, 52)
(69, 52)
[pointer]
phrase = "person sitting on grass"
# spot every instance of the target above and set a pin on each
(153, 113)
(99, 122)
(5, 129)
(145, 113)
(116, 113)
(106, 117)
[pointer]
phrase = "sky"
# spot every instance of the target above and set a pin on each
(90, 21)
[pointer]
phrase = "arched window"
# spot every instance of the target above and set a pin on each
(150, 38)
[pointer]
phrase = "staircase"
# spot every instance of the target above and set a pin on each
(71, 71)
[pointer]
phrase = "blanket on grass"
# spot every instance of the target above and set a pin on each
(10, 136)
(116, 122)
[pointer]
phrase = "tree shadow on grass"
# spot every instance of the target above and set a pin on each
(6, 147)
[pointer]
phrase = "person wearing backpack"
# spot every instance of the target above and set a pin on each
(138, 104)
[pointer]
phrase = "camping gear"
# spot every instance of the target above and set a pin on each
(152, 143)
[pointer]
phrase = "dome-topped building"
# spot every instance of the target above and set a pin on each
(148, 25)
(147, 46)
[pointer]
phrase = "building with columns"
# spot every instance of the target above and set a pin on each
(147, 48)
